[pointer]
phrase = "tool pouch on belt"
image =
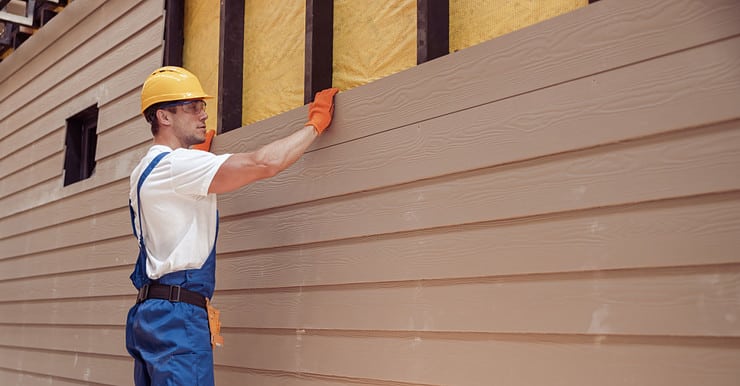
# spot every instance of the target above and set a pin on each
(214, 324)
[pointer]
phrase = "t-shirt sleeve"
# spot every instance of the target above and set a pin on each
(193, 170)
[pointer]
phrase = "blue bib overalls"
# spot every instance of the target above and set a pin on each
(170, 341)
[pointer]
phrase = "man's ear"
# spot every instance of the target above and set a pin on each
(163, 118)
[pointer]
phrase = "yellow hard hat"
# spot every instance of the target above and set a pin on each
(170, 84)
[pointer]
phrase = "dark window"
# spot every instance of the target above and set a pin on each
(79, 157)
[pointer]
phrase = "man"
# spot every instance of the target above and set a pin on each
(174, 217)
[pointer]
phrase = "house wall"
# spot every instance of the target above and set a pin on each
(560, 206)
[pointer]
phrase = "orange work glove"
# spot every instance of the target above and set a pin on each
(320, 111)
(205, 146)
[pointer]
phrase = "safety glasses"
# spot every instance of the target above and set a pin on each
(188, 106)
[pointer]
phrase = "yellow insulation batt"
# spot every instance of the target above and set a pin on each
(475, 21)
(200, 50)
(274, 50)
(372, 39)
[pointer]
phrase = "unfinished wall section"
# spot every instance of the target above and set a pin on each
(557, 206)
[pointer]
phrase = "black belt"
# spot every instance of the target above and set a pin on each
(172, 293)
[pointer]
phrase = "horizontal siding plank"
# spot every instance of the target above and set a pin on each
(81, 339)
(13, 377)
(47, 39)
(88, 368)
(92, 79)
(97, 255)
(609, 36)
(687, 163)
(701, 301)
(687, 89)
(40, 171)
(584, 42)
(227, 375)
(51, 143)
(102, 282)
(74, 71)
(686, 302)
(120, 110)
(655, 235)
(107, 171)
(659, 234)
(313, 165)
(683, 164)
(503, 360)
(87, 203)
(135, 131)
(86, 311)
(96, 228)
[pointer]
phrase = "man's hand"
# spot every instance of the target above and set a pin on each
(205, 146)
(320, 111)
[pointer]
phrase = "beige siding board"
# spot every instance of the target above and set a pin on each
(122, 109)
(83, 339)
(12, 377)
(107, 171)
(685, 302)
(682, 164)
(239, 376)
(68, 25)
(102, 282)
(114, 39)
(84, 204)
(82, 311)
(683, 90)
(40, 171)
(49, 144)
(97, 255)
(656, 234)
(135, 131)
(90, 229)
(509, 360)
(104, 172)
(589, 41)
(83, 367)
(100, 80)
(653, 235)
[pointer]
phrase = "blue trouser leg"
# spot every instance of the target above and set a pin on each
(170, 344)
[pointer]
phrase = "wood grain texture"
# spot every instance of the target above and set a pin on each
(88, 368)
(131, 20)
(454, 360)
(657, 234)
(68, 25)
(15, 377)
(557, 206)
(671, 166)
(94, 79)
(685, 90)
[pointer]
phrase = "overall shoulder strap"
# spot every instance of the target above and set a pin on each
(143, 177)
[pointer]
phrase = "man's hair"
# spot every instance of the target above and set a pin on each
(150, 114)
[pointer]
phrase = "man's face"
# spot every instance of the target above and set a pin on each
(189, 121)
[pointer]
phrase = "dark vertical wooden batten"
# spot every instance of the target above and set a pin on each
(319, 47)
(174, 32)
(230, 71)
(433, 30)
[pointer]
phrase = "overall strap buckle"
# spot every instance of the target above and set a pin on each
(143, 293)
(174, 293)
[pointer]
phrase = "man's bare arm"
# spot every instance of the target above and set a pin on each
(243, 168)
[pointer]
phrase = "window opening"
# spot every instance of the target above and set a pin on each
(81, 141)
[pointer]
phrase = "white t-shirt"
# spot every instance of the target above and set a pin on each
(178, 214)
